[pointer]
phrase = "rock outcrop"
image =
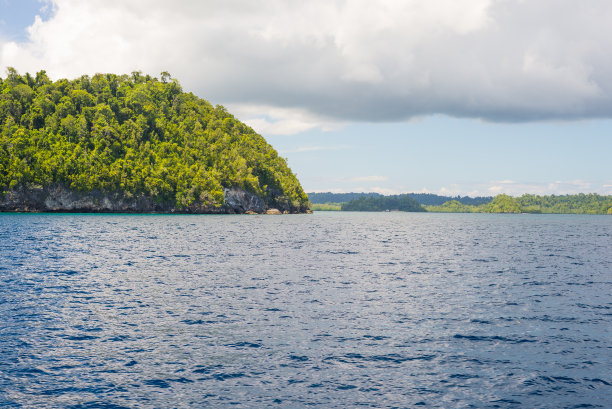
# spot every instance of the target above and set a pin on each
(241, 201)
(61, 199)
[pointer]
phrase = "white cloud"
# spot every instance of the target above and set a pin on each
(334, 190)
(368, 178)
(270, 120)
(354, 179)
(361, 189)
(316, 149)
(485, 189)
(550, 188)
(514, 188)
(494, 188)
(322, 62)
(387, 190)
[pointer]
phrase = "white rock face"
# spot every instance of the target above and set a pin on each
(242, 201)
(58, 198)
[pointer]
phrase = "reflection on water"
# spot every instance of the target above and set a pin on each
(330, 309)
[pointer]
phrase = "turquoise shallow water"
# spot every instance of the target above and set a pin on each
(331, 310)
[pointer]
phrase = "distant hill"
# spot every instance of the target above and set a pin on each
(432, 200)
(329, 197)
(403, 203)
(422, 198)
(581, 203)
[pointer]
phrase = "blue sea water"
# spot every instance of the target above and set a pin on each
(331, 310)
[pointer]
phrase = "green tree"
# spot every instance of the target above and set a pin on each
(502, 204)
(137, 136)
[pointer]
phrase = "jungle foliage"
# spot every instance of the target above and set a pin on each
(591, 203)
(422, 198)
(327, 207)
(403, 203)
(133, 134)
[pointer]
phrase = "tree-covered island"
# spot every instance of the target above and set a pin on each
(132, 143)
(403, 203)
(591, 203)
(581, 203)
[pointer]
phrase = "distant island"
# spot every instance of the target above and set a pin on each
(563, 204)
(132, 143)
(402, 203)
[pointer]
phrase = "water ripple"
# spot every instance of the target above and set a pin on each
(332, 310)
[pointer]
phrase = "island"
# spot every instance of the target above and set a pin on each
(403, 203)
(580, 203)
(133, 143)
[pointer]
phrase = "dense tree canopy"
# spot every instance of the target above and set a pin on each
(403, 203)
(577, 204)
(591, 203)
(502, 204)
(135, 134)
(422, 198)
(452, 206)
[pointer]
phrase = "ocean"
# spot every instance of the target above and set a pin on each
(334, 310)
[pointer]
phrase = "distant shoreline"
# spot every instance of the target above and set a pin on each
(591, 203)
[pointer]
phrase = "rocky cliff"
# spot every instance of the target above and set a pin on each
(58, 198)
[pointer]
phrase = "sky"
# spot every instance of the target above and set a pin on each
(477, 97)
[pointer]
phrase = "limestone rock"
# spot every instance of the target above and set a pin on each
(273, 211)
(58, 198)
(241, 201)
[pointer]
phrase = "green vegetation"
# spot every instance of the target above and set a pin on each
(329, 197)
(576, 204)
(137, 135)
(452, 206)
(334, 201)
(326, 206)
(422, 198)
(502, 204)
(403, 203)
